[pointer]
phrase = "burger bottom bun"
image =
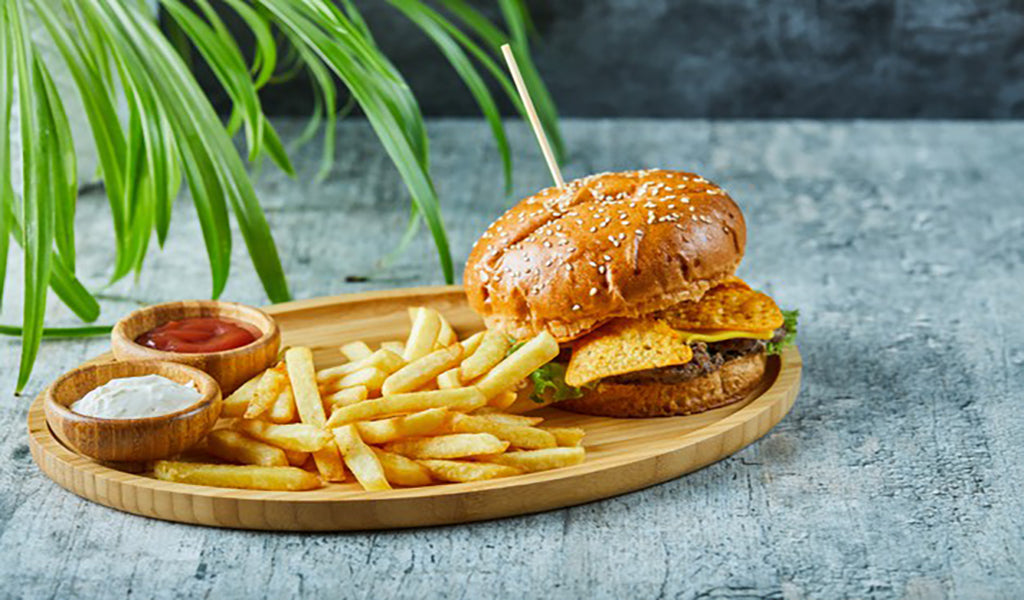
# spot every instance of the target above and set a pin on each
(731, 383)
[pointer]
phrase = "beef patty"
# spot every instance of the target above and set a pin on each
(707, 358)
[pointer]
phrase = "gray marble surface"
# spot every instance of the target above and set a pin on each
(733, 59)
(897, 474)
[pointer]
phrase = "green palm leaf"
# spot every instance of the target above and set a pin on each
(494, 37)
(65, 172)
(86, 63)
(426, 19)
(68, 288)
(6, 105)
(56, 333)
(153, 127)
(388, 105)
(37, 205)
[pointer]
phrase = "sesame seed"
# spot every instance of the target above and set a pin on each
(576, 307)
(593, 291)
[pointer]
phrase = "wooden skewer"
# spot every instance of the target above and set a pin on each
(531, 112)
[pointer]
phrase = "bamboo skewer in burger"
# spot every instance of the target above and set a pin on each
(531, 112)
(633, 274)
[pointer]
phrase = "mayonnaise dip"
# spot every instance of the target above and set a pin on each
(137, 398)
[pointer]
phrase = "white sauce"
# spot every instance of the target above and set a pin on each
(137, 398)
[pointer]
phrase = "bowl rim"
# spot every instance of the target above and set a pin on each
(206, 384)
(267, 333)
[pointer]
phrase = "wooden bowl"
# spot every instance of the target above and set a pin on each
(130, 440)
(231, 368)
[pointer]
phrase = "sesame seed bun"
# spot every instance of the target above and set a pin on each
(611, 245)
(731, 383)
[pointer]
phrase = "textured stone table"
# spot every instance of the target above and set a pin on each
(898, 473)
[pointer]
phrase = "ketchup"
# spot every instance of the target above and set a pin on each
(199, 335)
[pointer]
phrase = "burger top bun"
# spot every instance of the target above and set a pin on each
(605, 246)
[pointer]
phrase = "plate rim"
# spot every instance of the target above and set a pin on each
(781, 394)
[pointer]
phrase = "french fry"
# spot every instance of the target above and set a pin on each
(235, 476)
(426, 324)
(346, 397)
(566, 436)
(456, 445)
(470, 344)
(235, 447)
(299, 361)
(401, 470)
(328, 463)
(360, 459)
(394, 346)
(371, 378)
(283, 409)
(504, 399)
(355, 350)
(462, 399)
(297, 459)
(449, 379)
(417, 424)
(526, 403)
(459, 472)
(541, 460)
(418, 372)
(518, 365)
(517, 435)
(235, 404)
(298, 437)
(446, 336)
(500, 417)
(382, 359)
(492, 349)
(273, 381)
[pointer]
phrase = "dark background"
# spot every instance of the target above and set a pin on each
(739, 58)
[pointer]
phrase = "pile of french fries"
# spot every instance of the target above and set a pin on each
(430, 410)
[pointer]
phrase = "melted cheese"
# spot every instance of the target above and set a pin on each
(724, 334)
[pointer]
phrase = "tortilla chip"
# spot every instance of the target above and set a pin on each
(726, 307)
(624, 346)
(734, 282)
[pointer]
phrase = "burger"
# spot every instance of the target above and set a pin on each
(633, 273)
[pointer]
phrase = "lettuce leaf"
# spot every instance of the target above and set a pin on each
(550, 377)
(790, 323)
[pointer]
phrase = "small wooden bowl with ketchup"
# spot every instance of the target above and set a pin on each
(232, 342)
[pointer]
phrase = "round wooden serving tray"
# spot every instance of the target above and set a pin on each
(622, 454)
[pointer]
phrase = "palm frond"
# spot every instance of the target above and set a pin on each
(379, 90)
(427, 20)
(57, 333)
(40, 150)
(154, 129)
(494, 38)
(6, 105)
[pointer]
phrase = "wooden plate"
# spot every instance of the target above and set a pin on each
(622, 454)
